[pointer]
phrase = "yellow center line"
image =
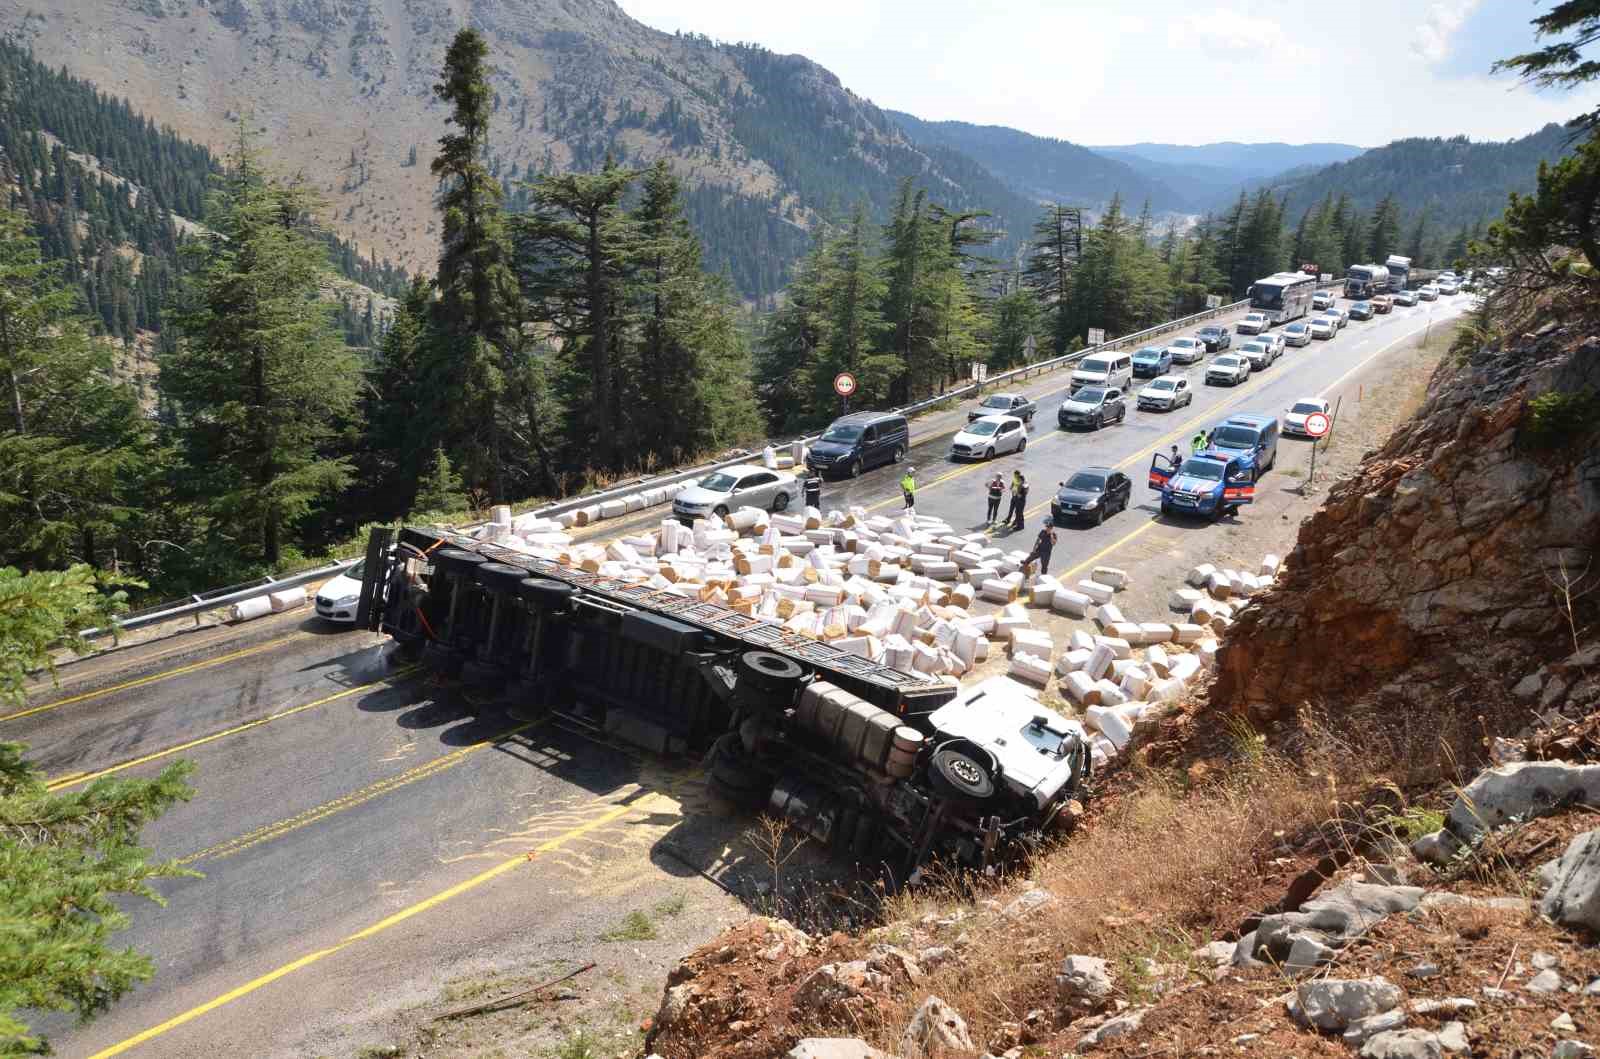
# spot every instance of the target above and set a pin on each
(73, 779)
(193, 667)
(548, 846)
(366, 794)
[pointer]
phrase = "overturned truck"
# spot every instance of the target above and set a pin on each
(884, 767)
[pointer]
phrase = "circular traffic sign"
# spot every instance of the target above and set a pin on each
(1317, 424)
(844, 384)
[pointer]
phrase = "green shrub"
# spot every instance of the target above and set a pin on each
(1556, 420)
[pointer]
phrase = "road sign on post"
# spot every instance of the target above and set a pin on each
(1213, 301)
(1317, 424)
(980, 371)
(844, 384)
(1097, 336)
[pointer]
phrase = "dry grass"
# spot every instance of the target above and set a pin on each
(1164, 870)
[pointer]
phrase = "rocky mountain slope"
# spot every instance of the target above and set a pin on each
(341, 90)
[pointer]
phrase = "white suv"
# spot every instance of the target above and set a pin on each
(1253, 324)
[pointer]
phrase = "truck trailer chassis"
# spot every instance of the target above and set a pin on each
(888, 769)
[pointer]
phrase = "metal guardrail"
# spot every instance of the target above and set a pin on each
(222, 597)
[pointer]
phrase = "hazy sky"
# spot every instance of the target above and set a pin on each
(1123, 71)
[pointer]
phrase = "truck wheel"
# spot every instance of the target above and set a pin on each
(768, 672)
(955, 775)
(735, 777)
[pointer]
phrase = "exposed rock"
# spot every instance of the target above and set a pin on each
(1028, 903)
(1453, 1005)
(934, 957)
(1120, 1026)
(1563, 1023)
(1308, 938)
(895, 962)
(835, 1048)
(1544, 961)
(1403, 1044)
(936, 1029)
(1216, 954)
(1545, 982)
(1573, 899)
(1358, 1031)
(675, 1002)
(1424, 970)
(1445, 899)
(1521, 791)
(1570, 1049)
(825, 992)
(1084, 982)
(1453, 1038)
(1335, 1003)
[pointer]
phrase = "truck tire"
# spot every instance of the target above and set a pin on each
(954, 775)
(735, 775)
(545, 593)
(769, 673)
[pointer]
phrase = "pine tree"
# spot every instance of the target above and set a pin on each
(75, 449)
(260, 376)
(69, 861)
(1383, 238)
(1417, 243)
(440, 488)
(1052, 259)
(853, 292)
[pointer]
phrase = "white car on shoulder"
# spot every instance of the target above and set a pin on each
(988, 437)
(1294, 418)
(742, 485)
(1253, 324)
(337, 598)
(1324, 327)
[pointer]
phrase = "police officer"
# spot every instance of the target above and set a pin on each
(997, 489)
(908, 487)
(1197, 443)
(1043, 545)
(1019, 500)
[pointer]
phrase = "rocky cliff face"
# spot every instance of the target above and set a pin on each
(1441, 568)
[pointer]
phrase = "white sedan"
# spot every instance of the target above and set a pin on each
(1294, 418)
(337, 598)
(743, 485)
(1229, 368)
(1274, 343)
(1166, 393)
(988, 437)
(1324, 327)
(1187, 350)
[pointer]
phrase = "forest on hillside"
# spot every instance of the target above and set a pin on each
(574, 330)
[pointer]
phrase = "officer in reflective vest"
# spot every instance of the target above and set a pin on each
(908, 486)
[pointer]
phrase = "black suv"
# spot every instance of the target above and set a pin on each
(860, 440)
(1214, 337)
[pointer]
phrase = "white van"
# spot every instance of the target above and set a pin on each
(1111, 370)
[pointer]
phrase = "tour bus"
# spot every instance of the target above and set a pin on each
(1399, 271)
(1283, 297)
(1364, 281)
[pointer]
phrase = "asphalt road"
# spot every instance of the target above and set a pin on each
(356, 824)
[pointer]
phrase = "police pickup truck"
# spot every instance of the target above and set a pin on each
(1209, 483)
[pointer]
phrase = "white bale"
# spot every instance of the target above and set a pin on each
(1080, 640)
(613, 508)
(1200, 576)
(1072, 660)
(1166, 690)
(982, 652)
(1109, 614)
(998, 591)
(1044, 590)
(1099, 661)
(1031, 668)
(500, 515)
(1184, 667)
(1155, 632)
(1096, 591)
(1156, 658)
(1219, 584)
(769, 457)
(962, 596)
(1110, 575)
(1183, 600)
(1101, 750)
(855, 645)
(1269, 565)
(1111, 693)
(587, 516)
(1032, 642)
(1134, 684)
(1080, 688)
(1004, 627)
(942, 571)
(1108, 723)
(633, 502)
(287, 599)
(744, 519)
(1130, 631)
(1187, 632)
(1204, 610)
(797, 452)
(568, 519)
(1207, 651)
(249, 609)
(965, 646)
(1119, 647)
(1076, 604)
(924, 659)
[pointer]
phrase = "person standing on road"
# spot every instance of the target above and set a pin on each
(908, 487)
(1197, 443)
(1019, 500)
(1043, 545)
(1177, 459)
(997, 489)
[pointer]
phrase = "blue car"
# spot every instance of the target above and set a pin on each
(1249, 437)
(1208, 483)
(1151, 362)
